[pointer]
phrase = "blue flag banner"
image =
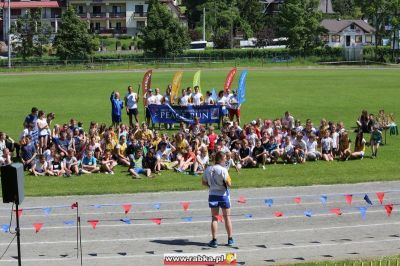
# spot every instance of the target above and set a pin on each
(242, 87)
(308, 213)
(175, 114)
(323, 199)
(47, 211)
(214, 95)
(187, 219)
(126, 220)
(248, 215)
(157, 206)
(269, 202)
(69, 222)
(363, 212)
(366, 198)
(5, 228)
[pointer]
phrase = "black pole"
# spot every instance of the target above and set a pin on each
(18, 236)
(80, 238)
(77, 233)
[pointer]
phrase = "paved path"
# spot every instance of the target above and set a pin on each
(260, 239)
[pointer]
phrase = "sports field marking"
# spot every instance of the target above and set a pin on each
(219, 250)
(206, 235)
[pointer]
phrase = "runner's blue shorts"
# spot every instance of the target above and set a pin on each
(219, 201)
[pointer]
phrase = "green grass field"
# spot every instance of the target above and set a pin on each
(337, 95)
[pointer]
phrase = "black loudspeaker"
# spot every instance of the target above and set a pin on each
(12, 183)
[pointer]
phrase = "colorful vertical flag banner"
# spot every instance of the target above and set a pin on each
(176, 86)
(5, 228)
(323, 199)
(229, 79)
(93, 223)
(363, 212)
(389, 209)
(242, 199)
(214, 95)
(196, 80)
(185, 205)
(37, 227)
(269, 202)
(156, 220)
(242, 87)
(308, 213)
(146, 83)
(336, 211)
(380, 196)
(47, 211)
(127, 208)
(366, 198)
(297, 200)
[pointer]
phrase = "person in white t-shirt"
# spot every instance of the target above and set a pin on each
(217, 179)
(185, 100)
(197, 97)
(158, 98)
(201, 162)
(149, 101)
(131, 101)
(43, 131)
(312, 154)
(326, 147)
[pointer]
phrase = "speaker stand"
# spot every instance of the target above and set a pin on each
(18, 235)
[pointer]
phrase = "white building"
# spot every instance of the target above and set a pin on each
(347, 33)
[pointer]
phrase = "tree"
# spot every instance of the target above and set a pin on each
(299, 21)
(252, 12)
(345, 8)
(164, 35)
(30, 34)
(73, 40)
(393, 6)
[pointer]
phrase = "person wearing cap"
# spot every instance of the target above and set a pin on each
(116, 107)
(217, 179)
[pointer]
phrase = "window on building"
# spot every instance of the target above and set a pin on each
(358, 38)
(140, 24)
(80, 9)
(335, 38)
(118, 25)
(352, 26)
(96, 9)
(368, 38)
(15, 12)
(116, 9)
(139, 9)
(97, 25)
(325, 38)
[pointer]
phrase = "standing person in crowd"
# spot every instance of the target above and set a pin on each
(131, 104)
(43, 128)
(197, 97)
(168, 101)
(32, 119)
(363, 121)
(116, 105)
(234, 107)
(186, 97)
(208, 99)
(28, 153)
(222, 102)
(158, 98)
(217, 179)
(288, 120)
(376, 140)
(149, 100)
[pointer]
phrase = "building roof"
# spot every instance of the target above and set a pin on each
(31, 4)
(336, 26)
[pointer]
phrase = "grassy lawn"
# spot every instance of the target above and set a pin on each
(337, 95)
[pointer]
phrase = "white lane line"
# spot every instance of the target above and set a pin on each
(367, 242)
(121, 224)
(207, 235)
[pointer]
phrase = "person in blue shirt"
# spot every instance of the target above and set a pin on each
(117, 105)
(32, 119)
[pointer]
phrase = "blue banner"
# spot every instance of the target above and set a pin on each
(174, 114)
(242, 87)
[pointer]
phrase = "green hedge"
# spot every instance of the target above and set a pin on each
(380, 53)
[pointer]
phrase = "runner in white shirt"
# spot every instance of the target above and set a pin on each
(131, 100)
(197, 97)
(186, 98)
(149, 101)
